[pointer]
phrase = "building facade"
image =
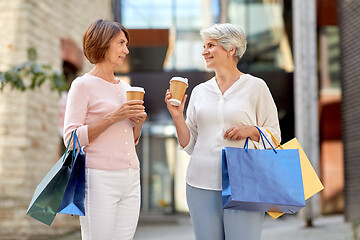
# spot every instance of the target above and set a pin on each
(349, 21)
(269, 56)
(30, 142)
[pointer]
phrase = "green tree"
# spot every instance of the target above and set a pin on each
(35, 72)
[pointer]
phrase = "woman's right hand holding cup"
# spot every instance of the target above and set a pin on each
(175, 111)
(175, 96)
(175, 99)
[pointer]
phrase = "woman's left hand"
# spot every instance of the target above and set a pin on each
(241, 132)
(138, 121)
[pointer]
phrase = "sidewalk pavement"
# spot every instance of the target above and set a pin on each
(178, 227)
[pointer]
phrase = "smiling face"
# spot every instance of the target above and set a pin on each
(117, 51)
(214, 54)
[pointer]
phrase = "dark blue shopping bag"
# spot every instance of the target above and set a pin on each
(262, 180)
(74, 196)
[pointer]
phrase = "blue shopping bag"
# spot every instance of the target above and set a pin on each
(74, 196)
(262, 180)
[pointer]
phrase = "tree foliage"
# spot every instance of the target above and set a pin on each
(35, 72)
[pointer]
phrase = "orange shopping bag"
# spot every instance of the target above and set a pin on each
(311, 181)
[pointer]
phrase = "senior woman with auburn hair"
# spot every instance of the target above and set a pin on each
(108, 128)
(222, 112)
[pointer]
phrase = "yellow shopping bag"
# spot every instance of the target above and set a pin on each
(311, 181)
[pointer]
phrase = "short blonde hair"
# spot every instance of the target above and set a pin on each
(228, 36)
(96, 39)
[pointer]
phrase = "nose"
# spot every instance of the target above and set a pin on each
(204, 52)
(126, 50)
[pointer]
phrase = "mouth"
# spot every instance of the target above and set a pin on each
(122, 57)
(208, 58)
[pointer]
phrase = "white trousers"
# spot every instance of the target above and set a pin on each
(112, 204)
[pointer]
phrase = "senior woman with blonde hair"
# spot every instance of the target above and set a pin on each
(222, 111)
(108, 128)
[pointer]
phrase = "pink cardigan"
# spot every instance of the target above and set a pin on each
(90, 98)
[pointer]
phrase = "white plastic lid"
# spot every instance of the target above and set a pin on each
(135, 89)
(181, 79)
(174, 102)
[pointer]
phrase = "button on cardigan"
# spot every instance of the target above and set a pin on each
(89, 99)
(210, 113)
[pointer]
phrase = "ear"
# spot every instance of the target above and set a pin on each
(231, 52)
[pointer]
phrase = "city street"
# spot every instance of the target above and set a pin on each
(178, 227)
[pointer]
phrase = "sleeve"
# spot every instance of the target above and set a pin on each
(75, 113)
(267, 117)
(191, 123)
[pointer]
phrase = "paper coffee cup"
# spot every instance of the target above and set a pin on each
(178, 87)
(135, 93)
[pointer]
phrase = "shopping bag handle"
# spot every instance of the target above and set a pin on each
(67, 147)
(76, 140)
(262, 136)
(274, 140)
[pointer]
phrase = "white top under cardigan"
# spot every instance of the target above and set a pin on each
(210, 113)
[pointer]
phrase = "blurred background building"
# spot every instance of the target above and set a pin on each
(350, 110)
(165, 42)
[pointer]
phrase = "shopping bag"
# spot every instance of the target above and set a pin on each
(74, 196)
(49, 193)
(262, 180)
(311, 181)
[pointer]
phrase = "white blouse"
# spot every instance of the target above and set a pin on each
(210, 113)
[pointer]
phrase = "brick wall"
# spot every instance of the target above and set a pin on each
(29, 138)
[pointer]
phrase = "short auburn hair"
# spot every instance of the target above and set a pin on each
(97, 37)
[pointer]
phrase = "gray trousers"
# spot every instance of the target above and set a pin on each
(212, 222)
